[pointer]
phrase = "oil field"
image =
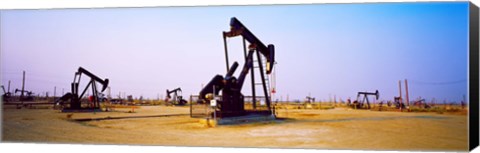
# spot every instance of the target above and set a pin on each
(336, 128)
(244, 107)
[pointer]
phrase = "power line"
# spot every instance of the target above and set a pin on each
(437, 83)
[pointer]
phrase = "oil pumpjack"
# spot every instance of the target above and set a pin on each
(28, 95)
(177, 98)
(232, 101)
(6, 95)
(75, 98)
(365, 103)
(309, 99)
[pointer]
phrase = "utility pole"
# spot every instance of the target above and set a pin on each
(109, 94)
(330, 98)
(335, 99)
(406, 92)
(8, 86)
(23, 87)
(400, 90)
(54, 92)
(400, 96)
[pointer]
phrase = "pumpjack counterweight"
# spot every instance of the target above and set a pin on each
(232, 100)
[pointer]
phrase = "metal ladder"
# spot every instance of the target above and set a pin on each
(266, 76)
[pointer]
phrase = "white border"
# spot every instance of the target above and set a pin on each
(47, 4)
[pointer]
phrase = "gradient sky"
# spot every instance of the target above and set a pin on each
(321, 50)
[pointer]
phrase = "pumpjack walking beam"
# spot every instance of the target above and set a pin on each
(238, 29)
(232, 103)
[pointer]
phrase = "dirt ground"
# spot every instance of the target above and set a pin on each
(339, 128)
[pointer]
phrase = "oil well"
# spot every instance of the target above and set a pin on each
(25, 95)
(231, 102)
(363, 100)
(6, 93)
(309, 99)
(72, 101)
(177, 98)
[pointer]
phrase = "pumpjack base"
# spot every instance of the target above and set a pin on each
(81, 110)
(253, 118)
(223, 114)
(248, 117)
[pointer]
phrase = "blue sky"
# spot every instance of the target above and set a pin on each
(322, 50)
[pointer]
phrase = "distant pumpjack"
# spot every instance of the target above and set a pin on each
(75, 98)
(6, 95)
(177, 98)
(398, 103)
(310, 99)
(421, 103)
(28, 97)
(361, 104)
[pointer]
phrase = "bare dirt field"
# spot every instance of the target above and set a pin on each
(339, 128)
